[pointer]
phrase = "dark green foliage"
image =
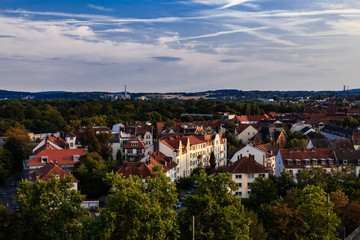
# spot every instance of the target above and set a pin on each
(49, 210)
(218, 214)
(90, 171)
(137, 209)
(68, 115)
(263, 191)
(8, 224)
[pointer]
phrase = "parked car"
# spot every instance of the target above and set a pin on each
(178, 205)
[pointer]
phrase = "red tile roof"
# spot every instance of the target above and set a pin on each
(246, 165)
(174, 143)
(166, 162)
(140, 144)
(141, 169)
(49, 169)
(320, 154)
(61, 156)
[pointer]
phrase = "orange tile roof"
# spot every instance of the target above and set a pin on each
(246, 165)
(49, 169)
(140, 144)
(61, 156)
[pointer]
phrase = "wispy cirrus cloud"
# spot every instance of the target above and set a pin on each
(100, 8)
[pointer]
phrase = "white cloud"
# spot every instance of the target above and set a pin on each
(100, 8)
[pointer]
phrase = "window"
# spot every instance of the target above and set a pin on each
(238, 194)
(344, 162)
(297, 161)
(134, 143)
(262, 175)
(307, 161)
(238, 176)
(249, 185)
(249, 192)
(239, 185)
(289, 161)
(251, 175)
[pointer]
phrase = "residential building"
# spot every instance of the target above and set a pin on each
(250, 149)
(244, 171)
(66, 158)
(244, 133)
(349, 157)
(44, 173)
(295, 160)
(135, 149)
(190, 152)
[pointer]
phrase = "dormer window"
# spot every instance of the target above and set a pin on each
(344, 162)
(307, 161)
(134, 143)
(289, 161)
(331, 161)
(44, 159)
(76, 157)
(314, 160)
(358, 161)
(297, 161)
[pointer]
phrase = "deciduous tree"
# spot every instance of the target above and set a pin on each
(218, 214)
(50, 210)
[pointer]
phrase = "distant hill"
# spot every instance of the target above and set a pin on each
(225, 94)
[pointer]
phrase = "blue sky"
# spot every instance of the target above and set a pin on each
(164, 46)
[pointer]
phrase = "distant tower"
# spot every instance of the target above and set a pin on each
(348, 87)
(344, 88)
(125, 94)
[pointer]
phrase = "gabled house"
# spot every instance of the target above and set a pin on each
(135, 149)
(44, 173)
(250, 149)
(244, 171)
(144, 168)
(244, 133)
(66, 158)
(349, 157)
(193, 151)
(295, 160)
(318, 143)
(50, 142)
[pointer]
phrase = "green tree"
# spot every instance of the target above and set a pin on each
(263, 191)
(5, 165)
(90, 171)
(256, 228)
(50, 210)
(138, 209)
(320, 220)
(8, 224)
(218, 214)
(119, 158)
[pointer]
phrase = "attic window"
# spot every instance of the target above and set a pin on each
(344, 162)
(76, 157)
(289, 161)
(307, 161)
(44, 159)
(314, 160)
(297, 161)
(358, 161)
(134, 143)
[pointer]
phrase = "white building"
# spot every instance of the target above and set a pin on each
(244, 171)
(192, 151)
